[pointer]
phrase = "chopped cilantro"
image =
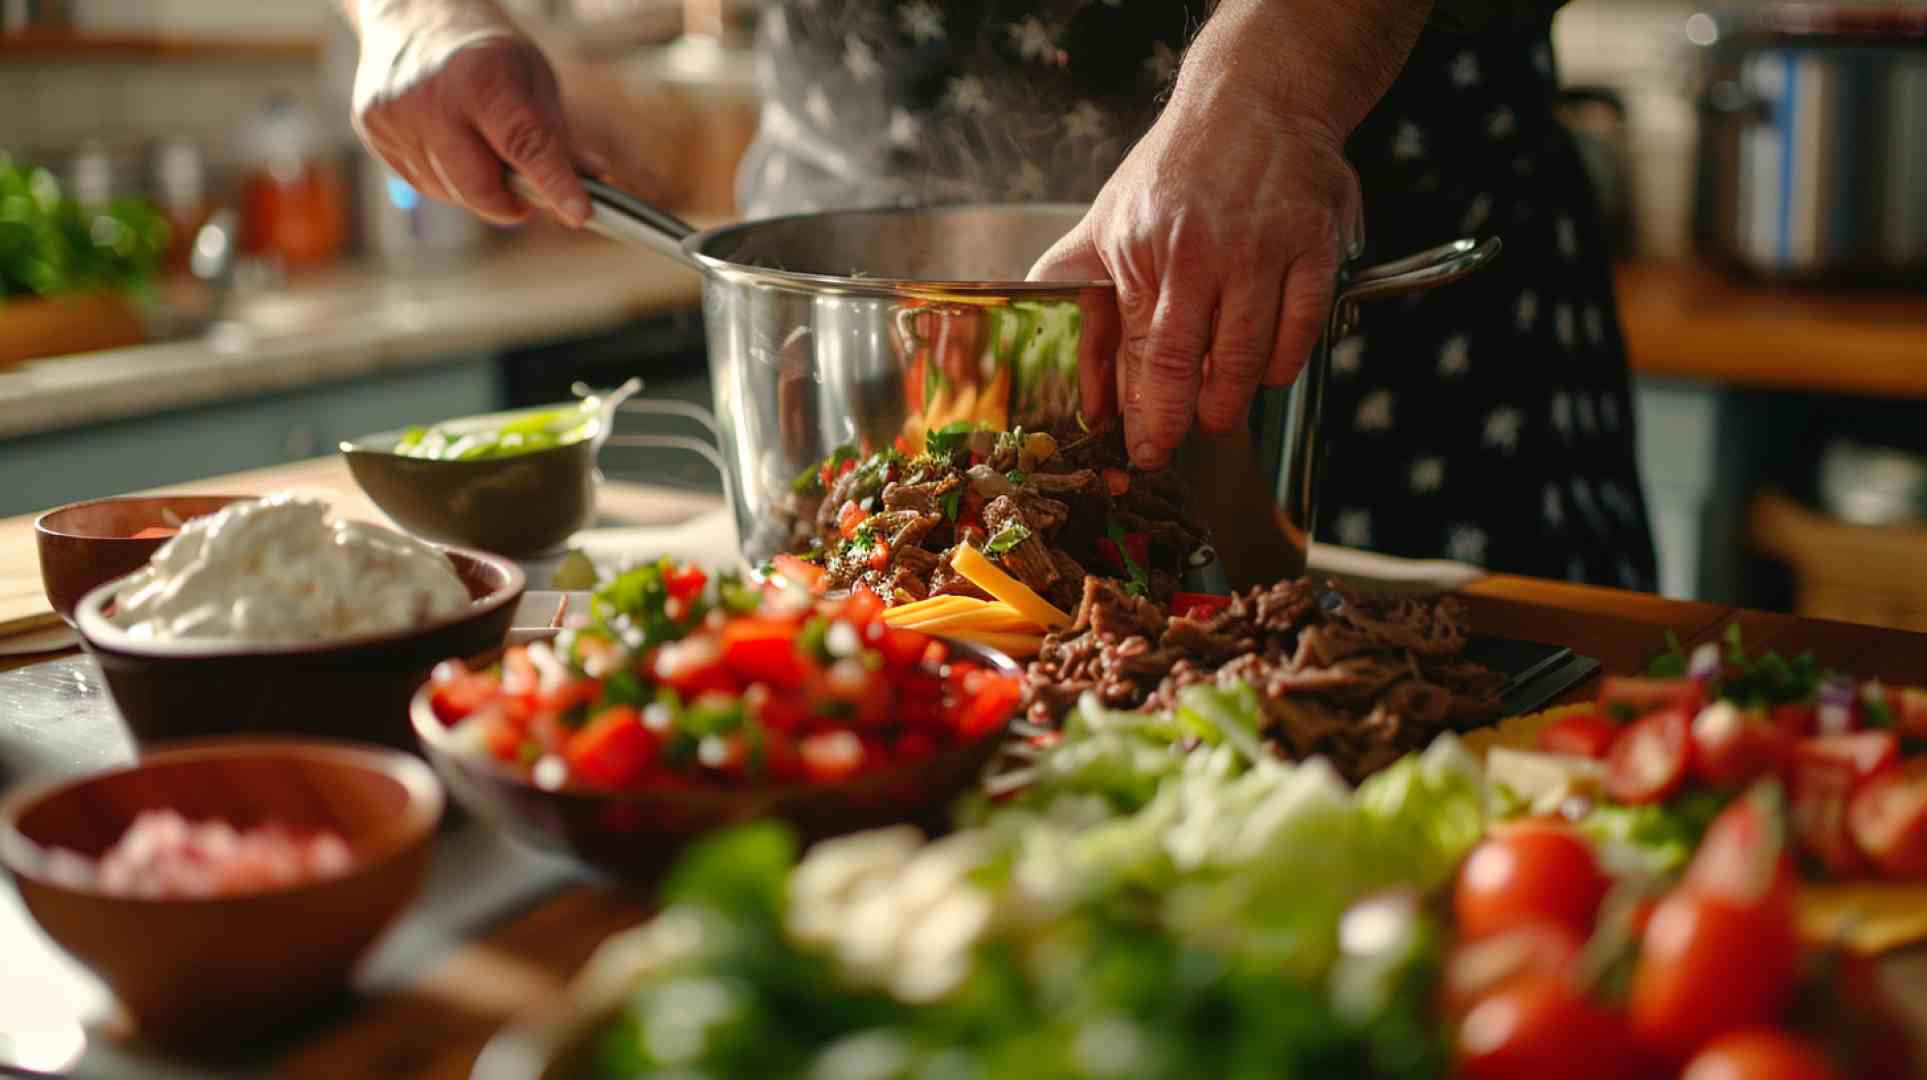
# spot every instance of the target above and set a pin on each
(718, 715)
(864, 539)
(631, 607)
(952, 502)
(625, 687)
(950, 438)
(1007, 537)
(813, 640)
(1016, 477)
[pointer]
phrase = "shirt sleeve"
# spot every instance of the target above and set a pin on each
(1473, 16)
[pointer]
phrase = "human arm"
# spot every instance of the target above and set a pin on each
(1225, 227)
(447, 91)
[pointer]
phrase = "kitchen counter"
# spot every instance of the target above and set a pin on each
(349, 323)
(434, 996)
(1688, 321)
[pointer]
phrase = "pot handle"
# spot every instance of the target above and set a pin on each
(1428, 269)
(625, 218)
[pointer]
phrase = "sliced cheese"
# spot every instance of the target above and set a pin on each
(986, 576)
(1015, 646)
(984, 619)
(904, 614)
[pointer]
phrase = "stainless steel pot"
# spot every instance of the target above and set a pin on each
(859, 327)
(1812, 160)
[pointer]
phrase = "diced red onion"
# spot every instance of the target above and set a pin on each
(1705, 663)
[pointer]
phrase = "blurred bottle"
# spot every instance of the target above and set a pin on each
(294, 201)
(183, 195)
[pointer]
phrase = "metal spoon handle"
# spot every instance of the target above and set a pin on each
(624, 218)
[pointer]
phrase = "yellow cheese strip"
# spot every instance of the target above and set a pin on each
(904, 614)
(1006, 622)
(1015, 646)
(986, 576)
(1866, 916)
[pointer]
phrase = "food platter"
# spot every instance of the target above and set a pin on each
(1299, 781)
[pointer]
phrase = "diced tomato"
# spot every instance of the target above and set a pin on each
(863, 607)
(849, 519)
(548, 730)
(1475, 968)
(1198, 605)
(1588, 735)
(684, 583)
(1908, 704)
(1117, 482)
(502, 738)
(1863, 752)
(900, 648)
(879, 559)
(693, 666)
(1648, 762)
(831, 756)
(1817, 813)
(453, 699)
(613, 749)
(1797, 721)
(805, 574)
(994, 699)
(1887, 818)
(1634, 696)
(763, 650)
(519, 675)
(1532, 872)
(1762, 1053)
(1743, 857)
(780, 713)
(1732, 748)
(155, 532)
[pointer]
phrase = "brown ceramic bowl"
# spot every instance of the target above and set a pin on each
(351, 688)
(521, 506)
(86, 544)
(636, 835)
(196, 973)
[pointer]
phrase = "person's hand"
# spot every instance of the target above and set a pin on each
(1223, 232)
(447, 110)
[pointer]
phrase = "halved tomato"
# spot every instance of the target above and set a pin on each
(1887, 818)
(1540, 1025)
(799, 572)
(1732, 747)
(1820, 790)
(1743, 857)
(1863, 753)
(1649, 760)
(1526, 873)
(1762, 1053)
(1635, 696)
(1588, 735)
(1475, 968)
(1708, 966)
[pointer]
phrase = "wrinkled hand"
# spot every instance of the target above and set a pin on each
(1223, 231)
(449, 114)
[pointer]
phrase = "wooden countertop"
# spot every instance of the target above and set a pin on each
(1688, 321)
(435, 1026)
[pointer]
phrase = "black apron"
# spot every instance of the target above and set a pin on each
(1490, 422)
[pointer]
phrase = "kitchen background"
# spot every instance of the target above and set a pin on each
(310, 297)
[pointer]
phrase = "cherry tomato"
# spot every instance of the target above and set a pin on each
(1708, 966)
(1475, 968)
(1818, 814)
(1639, 696)
(1588, 735)
(1798, 721)
(1908, 704)
(454, 698)
(1743, 857)
(684, 582)
(1539, 1026)
(1536, 872)
(1648, 761)
(763, 650)
(1887, 818)
(1732, 748)
(613, 749)
(1760, 1054)
(1864, 752)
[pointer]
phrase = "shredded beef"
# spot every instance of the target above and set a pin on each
(1356, 679)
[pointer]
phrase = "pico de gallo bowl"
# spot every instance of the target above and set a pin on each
(683, 703)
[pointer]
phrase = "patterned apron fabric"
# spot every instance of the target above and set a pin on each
(1490, 422)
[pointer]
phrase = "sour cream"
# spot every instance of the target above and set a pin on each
(279, 571)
